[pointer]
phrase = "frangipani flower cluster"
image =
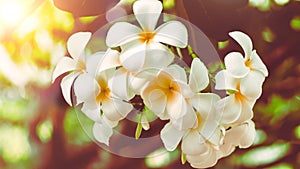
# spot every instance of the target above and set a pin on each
(140, 63)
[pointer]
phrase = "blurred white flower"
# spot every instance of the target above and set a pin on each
(76, 44)
(142, 47)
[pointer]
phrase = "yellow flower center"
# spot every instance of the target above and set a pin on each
(105, 91)
(199, 122)
(146, 37)
(81, 66)
(248, 64)
(239, 96)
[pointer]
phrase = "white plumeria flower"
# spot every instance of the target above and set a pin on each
(241, 135)
(143, 46)
(237, 107)
(239, 66)
(243, 79)
(99, 103)
(200, 142)
(166, 94)
(76, 44)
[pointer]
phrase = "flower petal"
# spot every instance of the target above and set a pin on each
(102, 132)
(121, 33)
(229, 108)
(147, 13)
(65, 64)
(198, 79)
(235, 65)
(158, 56)
(156, 100)
(116, 109)
(193, 144)
(208, 161)
(66, 85)
(249, 135)
(176, 72)
(111, 59)
(190, 119)
(133, 59)
(140, 80)
(258, 64)
(172, 33)
(170, 137)
(242, 135)
(86, 87)
(93, 62)
(77, 43)
(92, 110)
(244, 41)
(204, 103)
(225, 82)
(251, 85)
(176, 105)
(119, 85)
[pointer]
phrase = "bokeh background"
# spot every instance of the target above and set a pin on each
(38, 130)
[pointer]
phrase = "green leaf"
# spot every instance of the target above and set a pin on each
(183, 158)
(138, 131)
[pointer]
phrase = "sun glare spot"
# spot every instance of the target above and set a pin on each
(11, 12)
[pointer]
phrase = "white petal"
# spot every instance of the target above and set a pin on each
(170, 137)
(198, 79)
(65, 64)
(172, 33)
(244, 41)
(66, 85)
(229, 108)
(119, 86)
(190, 119)
(225, 82)
(111, 59)
(204, 103)
(158, 56)
(251, 85)
(198, 158)
(176, 106)
(133, 59)
(156, 100)
(176, 72)
(242, 135)
(92, 111)
(210, 130)
(86, 87)
(147, 13)
(258, 64)
(208, 161)
(140, 80)
(235, 65)
(77, 43)
(185, 89)
(93, 62)
(144, 122)
(248, 136)
(225, 150)
(116, 109)
(193, 144)
(121, 33)
(102, 132)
